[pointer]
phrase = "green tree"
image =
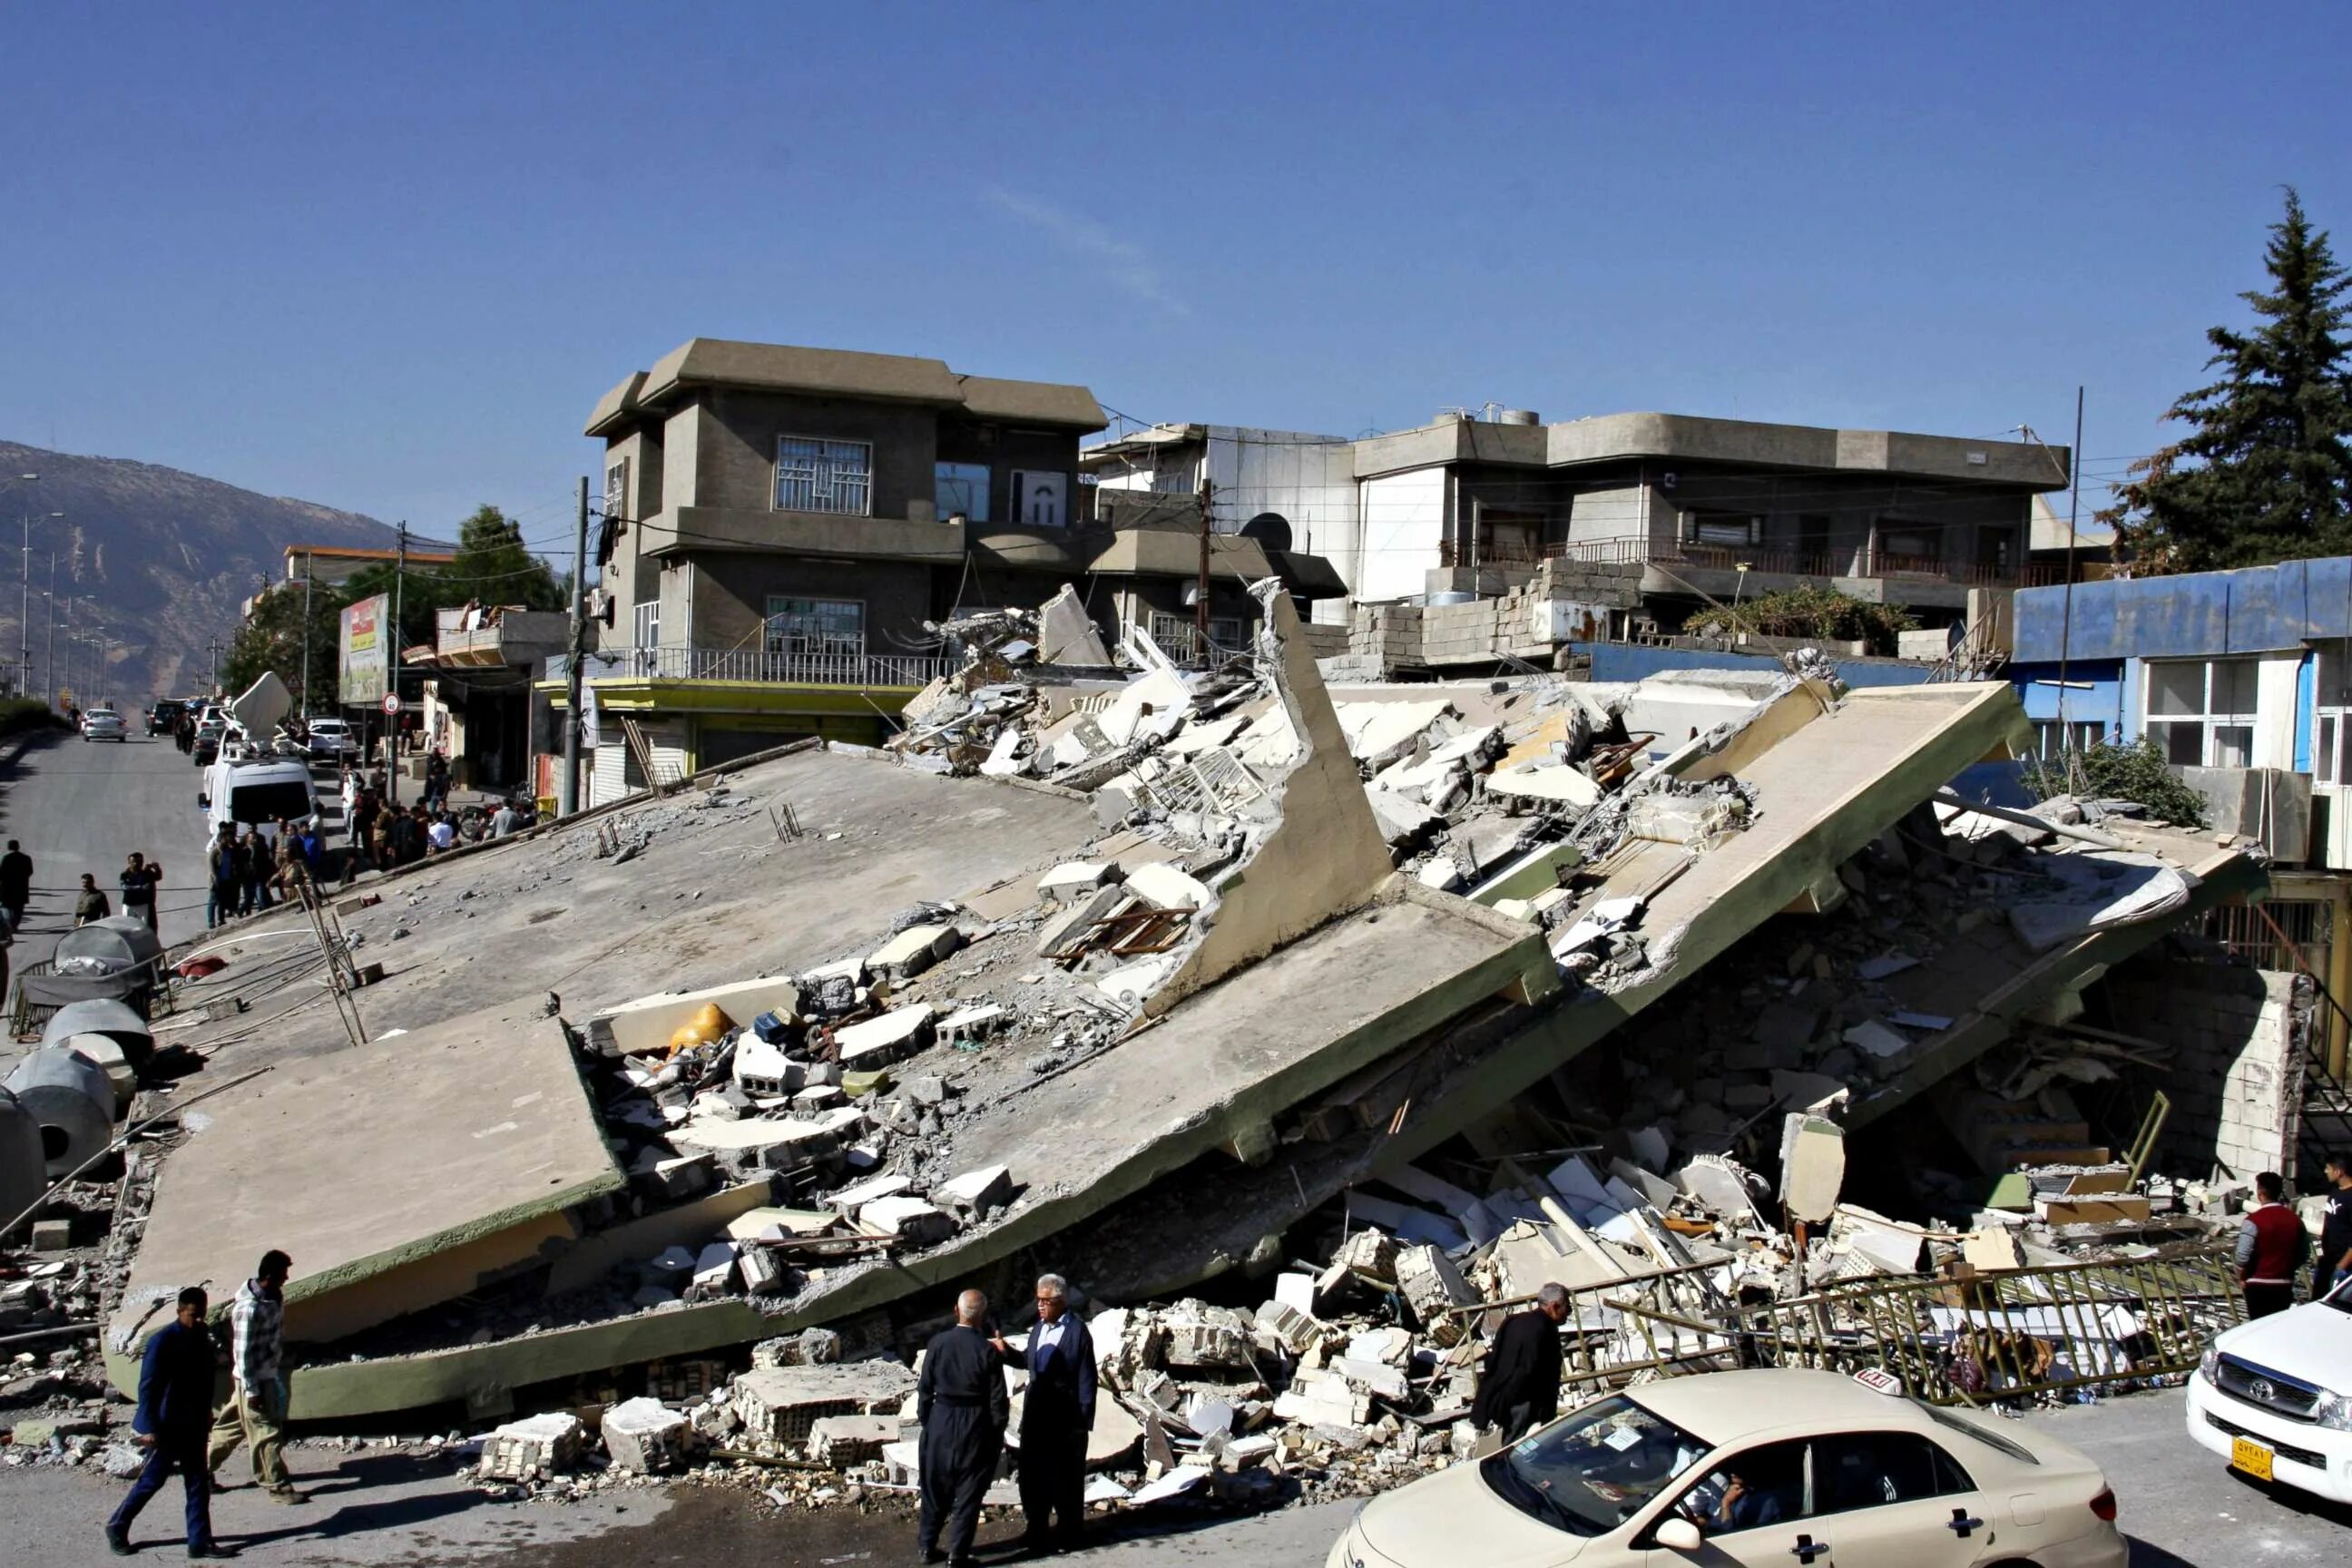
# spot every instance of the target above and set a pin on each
(491, 567)
(1810, 611)
(2264, 473)
(274, 637)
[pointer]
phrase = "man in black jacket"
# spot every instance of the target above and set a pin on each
(1518, 1388)
(175, 1413)
(1057, 1411)
(16, 882)
(961, 1404)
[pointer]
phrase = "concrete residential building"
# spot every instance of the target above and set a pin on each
(781, 522)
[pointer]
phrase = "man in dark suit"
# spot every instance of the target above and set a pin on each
(175, 1414)
(1518, 1388)
(1057, 1411)
(961, 1401)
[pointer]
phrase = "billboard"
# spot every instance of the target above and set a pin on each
(365, 650)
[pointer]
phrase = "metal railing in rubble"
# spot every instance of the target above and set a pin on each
(846, 668)
(1986, 1337)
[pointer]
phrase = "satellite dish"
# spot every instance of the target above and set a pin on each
(1270, 529)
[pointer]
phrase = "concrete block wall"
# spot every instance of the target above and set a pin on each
(2238, 1039)
(1564, 595)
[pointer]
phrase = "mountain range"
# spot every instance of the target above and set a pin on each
(161, 560)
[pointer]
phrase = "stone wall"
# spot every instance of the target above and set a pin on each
(2236, 1081)
(1562, 601)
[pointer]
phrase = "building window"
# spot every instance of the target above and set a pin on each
(1909, 544)
(2331, 731)
(815, 626)
(1040, 499)
(2200, 712)
(647, 631)
(1724, 531)
(961, 487)
(814, 474)
(2050, 737)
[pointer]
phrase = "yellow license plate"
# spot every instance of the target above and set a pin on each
(2249, 1456)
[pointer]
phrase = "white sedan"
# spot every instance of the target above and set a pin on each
(103, 724)
(1740, 1469)
(2274, 1397)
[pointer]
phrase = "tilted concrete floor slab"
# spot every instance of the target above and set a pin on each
(397, 1177)
(1227, 1059)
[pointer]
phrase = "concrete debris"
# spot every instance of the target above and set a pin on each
(532, 1448)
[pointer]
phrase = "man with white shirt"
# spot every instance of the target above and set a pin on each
(1057, 1411)
(441, 836)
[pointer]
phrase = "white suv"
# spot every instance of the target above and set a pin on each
(2274, 1397)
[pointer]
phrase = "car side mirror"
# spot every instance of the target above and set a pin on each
(1679, 1534)
(203, 802)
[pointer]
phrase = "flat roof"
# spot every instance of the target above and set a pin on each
(842, 372)
(355, 552)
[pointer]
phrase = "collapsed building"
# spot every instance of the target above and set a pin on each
(1300, 1029)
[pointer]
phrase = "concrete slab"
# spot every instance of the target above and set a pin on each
(646, 1025)
(397, 1177)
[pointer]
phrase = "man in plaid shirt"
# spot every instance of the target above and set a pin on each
(255, 1412)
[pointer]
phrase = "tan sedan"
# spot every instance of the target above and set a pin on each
(1740, 1469)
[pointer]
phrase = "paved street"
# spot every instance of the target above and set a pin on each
(2182, 1507)
(79, 805)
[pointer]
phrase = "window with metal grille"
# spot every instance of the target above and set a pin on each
(1179, 637)
(815, 475)
(815, 626)
(2200, 711)
(2050, 737)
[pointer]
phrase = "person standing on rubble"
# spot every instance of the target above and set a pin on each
(89, 904)
(1518, 1388)
(255, 1412)
(964, 1408)
(2271, 1245)
(175, 1410)
(1057, 1411)
(2335, 1264)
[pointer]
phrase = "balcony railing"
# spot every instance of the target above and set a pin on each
(858, 670)
(1801, 562)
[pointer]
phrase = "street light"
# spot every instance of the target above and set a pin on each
(25, 600)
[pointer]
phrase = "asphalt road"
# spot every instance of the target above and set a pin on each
(83, 805)
(2182, 1507)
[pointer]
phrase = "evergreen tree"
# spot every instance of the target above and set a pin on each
(2265, 471)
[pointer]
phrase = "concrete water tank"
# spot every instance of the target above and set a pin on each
(117, 1021)
(1518, 416)
(70, 1099)
(112, 1060)
(24, 1172)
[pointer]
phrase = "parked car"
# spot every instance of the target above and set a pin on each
(164, 717)
(2274, 1397)
(104, 724)
(206, 749)
(332, 741)
(1752, 1468)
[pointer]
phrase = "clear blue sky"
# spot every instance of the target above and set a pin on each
(388, 259)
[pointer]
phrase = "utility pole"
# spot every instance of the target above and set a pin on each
(306, 634)
(24, 613)
(1201, 594)
(392, 673)
(216, 647)
(571, 679)
(50, 635)
(2066, 612)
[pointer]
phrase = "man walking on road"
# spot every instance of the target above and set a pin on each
(2334, 1229)
(1518, 1388)
(2271, 1245)
(1057, 1411)
(223, 863)
(16, 883)
(89, 904)
(175, 1410)
(139, 881)
(255, 1412)
(961, 1404)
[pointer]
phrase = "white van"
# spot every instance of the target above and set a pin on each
(256, 795)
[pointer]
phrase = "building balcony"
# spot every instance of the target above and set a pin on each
(690, 528)
(1716, 569)
(513, 637)
(857, 671)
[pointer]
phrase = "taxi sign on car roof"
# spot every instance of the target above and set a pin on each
(1879, 1381)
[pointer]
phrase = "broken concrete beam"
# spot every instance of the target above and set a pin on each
(841, 1441)
(1075, 922)
(1165, 887)
(646, 1435)
(1073, 882)
(972, 1024)
(911, 1220)
(975, 1192)
(1557, 786)
(913, 951)
(781, 1405)
(878, 1042)
(532, 1448)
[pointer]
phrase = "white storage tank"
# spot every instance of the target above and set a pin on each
(72, 1102)
(24, 1174)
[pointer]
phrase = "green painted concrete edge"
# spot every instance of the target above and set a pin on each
(2043, 981)
(346, 1389)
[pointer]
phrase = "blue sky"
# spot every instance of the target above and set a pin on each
(388, 260)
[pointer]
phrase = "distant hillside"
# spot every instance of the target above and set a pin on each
(167, 557)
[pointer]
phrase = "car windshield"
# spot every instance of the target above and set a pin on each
(1591, 1473)
(2341, 1297)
